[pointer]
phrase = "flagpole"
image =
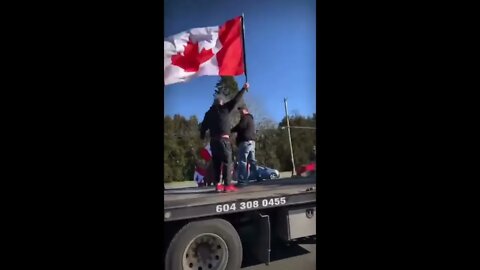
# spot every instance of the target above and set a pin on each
(243, 42)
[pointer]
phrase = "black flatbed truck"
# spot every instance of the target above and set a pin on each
(207, 230)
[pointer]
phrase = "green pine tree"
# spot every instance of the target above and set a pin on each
(226, 86)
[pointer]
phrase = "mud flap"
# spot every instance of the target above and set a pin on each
(262, 249)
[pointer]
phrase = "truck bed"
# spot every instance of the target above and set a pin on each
(197, 202)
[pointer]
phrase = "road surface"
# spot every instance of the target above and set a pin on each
(295, 256)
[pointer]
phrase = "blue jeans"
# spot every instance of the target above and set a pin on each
(246, 155)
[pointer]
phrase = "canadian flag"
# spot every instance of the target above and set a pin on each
(198, 175)
(206, 153)
(215, 50)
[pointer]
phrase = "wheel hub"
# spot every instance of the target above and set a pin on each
(206, 252)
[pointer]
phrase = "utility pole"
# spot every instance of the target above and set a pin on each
(289, 137)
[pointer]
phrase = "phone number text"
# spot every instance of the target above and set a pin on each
(229, 207)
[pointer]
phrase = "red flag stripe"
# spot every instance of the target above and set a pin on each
(230, 57)
(200, 171)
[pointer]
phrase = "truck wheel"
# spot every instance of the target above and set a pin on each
(211, 244)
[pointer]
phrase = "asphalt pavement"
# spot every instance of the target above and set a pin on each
(301, 255)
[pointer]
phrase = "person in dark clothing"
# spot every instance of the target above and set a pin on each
(246, 145)
(217, 120)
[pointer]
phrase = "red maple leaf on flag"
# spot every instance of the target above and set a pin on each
(191, 59)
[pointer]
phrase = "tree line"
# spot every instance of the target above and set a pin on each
(181, 134)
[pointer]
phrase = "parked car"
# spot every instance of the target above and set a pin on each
(307, 169)
(263, 173)
(267, 173)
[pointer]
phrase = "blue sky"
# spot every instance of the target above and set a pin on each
(280, 54)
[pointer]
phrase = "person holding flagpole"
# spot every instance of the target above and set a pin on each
(211, 51)
(217, 121)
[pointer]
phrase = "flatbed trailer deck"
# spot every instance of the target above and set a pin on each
(201, 202)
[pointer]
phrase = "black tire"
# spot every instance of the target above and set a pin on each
(220, 227)
(273, 176)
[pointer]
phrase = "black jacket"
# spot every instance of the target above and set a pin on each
(217, 118)
(245, 129)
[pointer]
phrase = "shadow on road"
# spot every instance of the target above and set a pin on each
(279, 251)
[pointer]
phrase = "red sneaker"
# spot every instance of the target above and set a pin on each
(219, 187)
(230, 188)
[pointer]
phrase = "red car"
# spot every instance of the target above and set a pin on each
(308, 169)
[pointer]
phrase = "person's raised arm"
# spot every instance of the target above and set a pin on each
(232, 103)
